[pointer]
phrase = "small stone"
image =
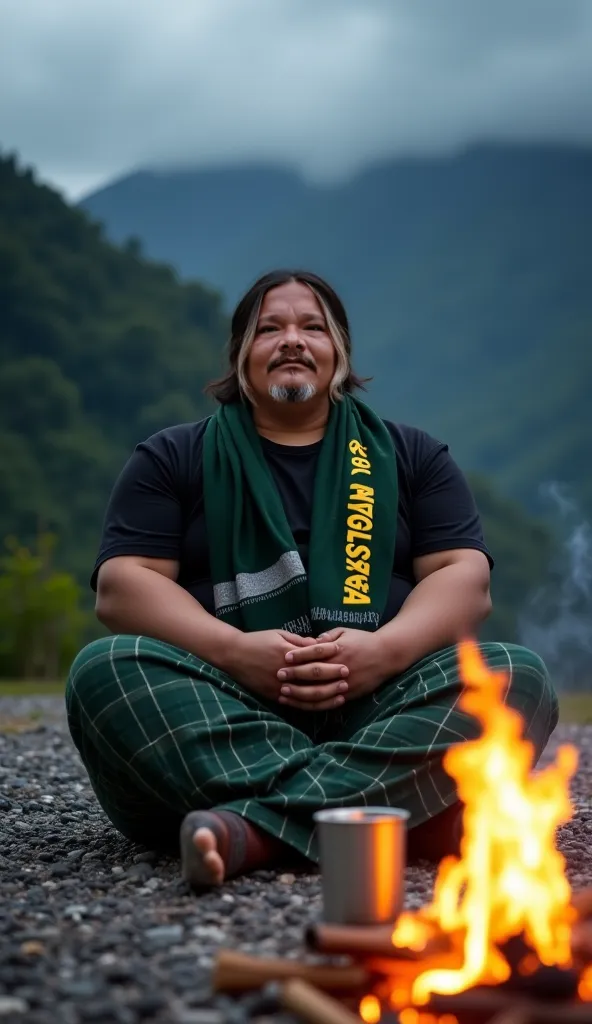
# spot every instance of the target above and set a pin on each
(80, 988)
(139, 872)
(47, 799)
(5, 804)
(32, 948)
(11, 1004)
(199, 1017)
(227, 898)
(102, 1011)
(287, 879)
(205, 931)
(75, 911)
(279, 899)
(117, 870)
(148, 857)
(35, 892)
(117, 971)
(60, 869)
(164, 936)
(149, 1003)
(244, 889)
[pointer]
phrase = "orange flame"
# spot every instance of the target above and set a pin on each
(585, 985)
(510, 878)
(370, 1010)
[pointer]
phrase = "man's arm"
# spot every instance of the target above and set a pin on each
(448, 604)
(140, 595)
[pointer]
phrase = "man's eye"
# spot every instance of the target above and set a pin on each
(315, 327)
(266, 329)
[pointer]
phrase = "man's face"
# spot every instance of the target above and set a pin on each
(292, 357)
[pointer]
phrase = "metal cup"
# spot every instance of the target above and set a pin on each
(362, 856)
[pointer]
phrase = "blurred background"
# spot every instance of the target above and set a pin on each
(432, 160)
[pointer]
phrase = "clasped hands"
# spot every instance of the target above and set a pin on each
(309, 674)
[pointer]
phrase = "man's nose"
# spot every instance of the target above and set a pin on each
(291, 336)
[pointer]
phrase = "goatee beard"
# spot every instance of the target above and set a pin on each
(295, 393)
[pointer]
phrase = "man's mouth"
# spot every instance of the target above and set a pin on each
(292, 362)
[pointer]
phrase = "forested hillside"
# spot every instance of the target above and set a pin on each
(99, 348)
(468, 278)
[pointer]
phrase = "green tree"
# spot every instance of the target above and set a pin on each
(42, 624)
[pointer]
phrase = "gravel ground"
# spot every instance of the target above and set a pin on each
(93, 928)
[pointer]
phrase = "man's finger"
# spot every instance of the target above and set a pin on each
(314, 672)
(331, 634)
(296, 640)
(314, 652)
(314, 695)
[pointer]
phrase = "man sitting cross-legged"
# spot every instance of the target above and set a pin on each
(285, 582)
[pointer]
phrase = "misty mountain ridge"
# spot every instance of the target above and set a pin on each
(467, 278)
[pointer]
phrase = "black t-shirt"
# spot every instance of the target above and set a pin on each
(157, 505)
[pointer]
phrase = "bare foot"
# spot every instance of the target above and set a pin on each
(206, 844)
(216, 845)
(204, 848)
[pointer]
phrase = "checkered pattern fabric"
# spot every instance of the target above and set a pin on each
(162, 733)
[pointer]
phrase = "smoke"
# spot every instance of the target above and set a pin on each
(557, 622)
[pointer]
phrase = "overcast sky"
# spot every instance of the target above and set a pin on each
(90, 89)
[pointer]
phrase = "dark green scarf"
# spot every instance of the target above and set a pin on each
(258, 576)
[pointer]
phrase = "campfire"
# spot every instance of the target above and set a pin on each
(504, 938)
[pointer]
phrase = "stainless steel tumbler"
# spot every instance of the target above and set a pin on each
(362, 857)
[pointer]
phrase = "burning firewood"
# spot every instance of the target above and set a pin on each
(313, 1006)
(372, 940)
(515, 1015)
(237, 972)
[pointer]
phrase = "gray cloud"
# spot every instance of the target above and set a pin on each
(91, 89)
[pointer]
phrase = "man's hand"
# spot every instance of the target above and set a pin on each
(362, 654)
(256, 659)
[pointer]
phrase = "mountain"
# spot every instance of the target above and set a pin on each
(98, 349)
(468, 279)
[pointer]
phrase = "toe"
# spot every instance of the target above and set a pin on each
(202, 864)
(205, 840)
(214, 866)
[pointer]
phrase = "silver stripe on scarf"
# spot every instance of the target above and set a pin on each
(257, 584)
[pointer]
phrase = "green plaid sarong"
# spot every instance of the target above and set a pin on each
(162, 733)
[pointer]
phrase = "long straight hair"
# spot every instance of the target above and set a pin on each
(234, 385)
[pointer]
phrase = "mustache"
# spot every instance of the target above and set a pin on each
(287, 361)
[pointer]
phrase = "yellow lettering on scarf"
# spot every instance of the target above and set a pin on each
(356, 587)
(357, 551)
(357, 583)
(356, 535)
(361, 493)
(359, 523)
(365, 510)
(359, 566)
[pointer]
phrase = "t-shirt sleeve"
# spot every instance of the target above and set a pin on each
(444, 514)
(144, 514)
